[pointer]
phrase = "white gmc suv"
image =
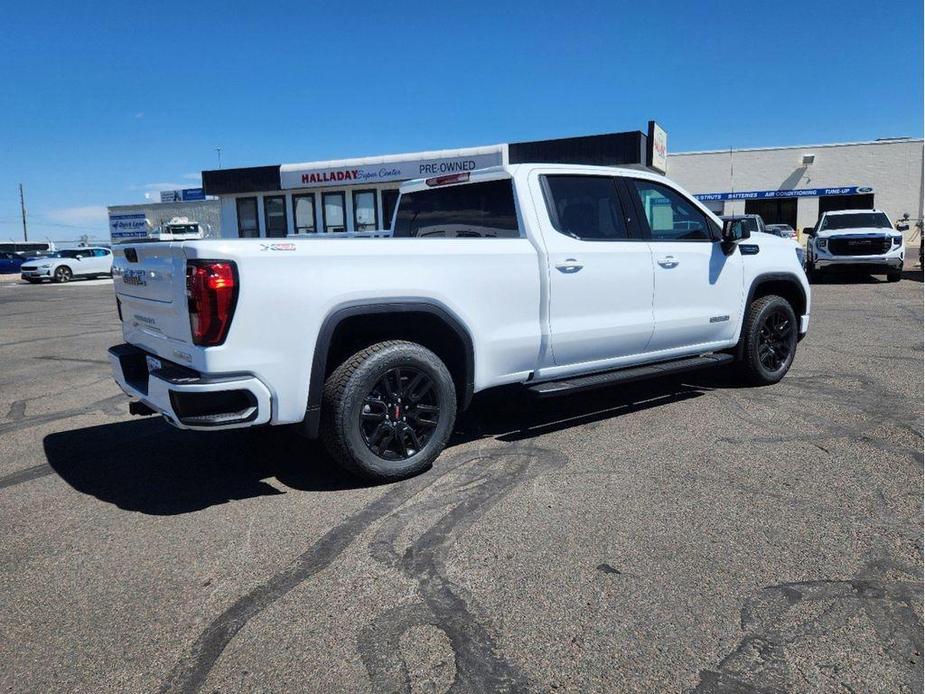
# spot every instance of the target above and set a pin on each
(557, 277)
(862, 240)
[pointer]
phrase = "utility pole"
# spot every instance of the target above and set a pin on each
(22, 206)
(219, 151)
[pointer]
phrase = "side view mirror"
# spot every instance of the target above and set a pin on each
(902, 226)
(809, 231)
(734, 231)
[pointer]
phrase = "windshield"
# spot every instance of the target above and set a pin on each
(182, 229)
(858, 220)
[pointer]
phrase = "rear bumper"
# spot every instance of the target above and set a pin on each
(188, 399)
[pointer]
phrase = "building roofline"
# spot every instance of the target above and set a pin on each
(389, 158)
(152, 203)
(882, 141)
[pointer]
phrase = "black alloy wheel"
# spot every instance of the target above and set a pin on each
(769, 340)
(400, 413)
(388, 410)
(775, 341)
(63, 274)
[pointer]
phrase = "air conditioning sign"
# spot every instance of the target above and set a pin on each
(293, 177)
(790, 193)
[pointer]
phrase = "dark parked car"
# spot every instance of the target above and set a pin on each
(10, 262)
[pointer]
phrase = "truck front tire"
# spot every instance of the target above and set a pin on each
(769, 340)
(388, 411)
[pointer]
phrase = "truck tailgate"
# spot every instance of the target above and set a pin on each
(150, 284)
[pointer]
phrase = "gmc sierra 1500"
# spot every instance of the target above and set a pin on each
(559, 277)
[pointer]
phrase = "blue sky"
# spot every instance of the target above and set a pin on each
(105, 102)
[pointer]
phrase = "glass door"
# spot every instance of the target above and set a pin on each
(333, 208)
(274, 216)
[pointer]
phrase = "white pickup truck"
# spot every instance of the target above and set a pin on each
(861, 240)
(557, 277)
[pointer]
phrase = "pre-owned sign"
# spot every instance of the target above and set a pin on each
(788, 193)
(294, 177)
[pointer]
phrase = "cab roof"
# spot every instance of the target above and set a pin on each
(836, 212)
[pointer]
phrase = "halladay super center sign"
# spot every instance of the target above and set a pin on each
(295, 176)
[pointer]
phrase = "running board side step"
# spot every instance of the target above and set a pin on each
(548, 389)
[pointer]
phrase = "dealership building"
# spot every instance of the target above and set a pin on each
(359, 195)
(127, 222)
(795, 184)
(791, 185)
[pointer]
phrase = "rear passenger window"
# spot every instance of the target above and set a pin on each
(671, 217)
(586, 207)
(472, 210)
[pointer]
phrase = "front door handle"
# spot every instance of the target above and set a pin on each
(569, 266)
(668, 261)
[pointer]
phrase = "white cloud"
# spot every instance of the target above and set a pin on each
(193, 176)
(162, 185)
(79, 216)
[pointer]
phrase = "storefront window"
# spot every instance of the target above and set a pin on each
(364, 210)
(247, 218)
(333, 207)
(303, 209)
(274, 216)
(389, 198)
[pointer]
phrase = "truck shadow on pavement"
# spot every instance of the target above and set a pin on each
(147, 466)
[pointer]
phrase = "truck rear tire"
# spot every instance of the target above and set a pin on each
(769, 340)
(388, 411)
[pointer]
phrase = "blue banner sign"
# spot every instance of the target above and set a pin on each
(128, 226)
(192, 194)
(792, 193)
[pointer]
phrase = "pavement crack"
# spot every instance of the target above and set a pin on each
(786, 624)
(27, 475)
(442, 604)
(480, 665)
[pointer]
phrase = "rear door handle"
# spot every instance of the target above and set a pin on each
(668, 261)
(569, 266)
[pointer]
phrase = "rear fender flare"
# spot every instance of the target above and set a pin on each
(378, 306)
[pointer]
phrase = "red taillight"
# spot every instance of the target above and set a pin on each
(448, 179)
(211, 290)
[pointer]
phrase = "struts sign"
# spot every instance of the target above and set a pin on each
(295, 176)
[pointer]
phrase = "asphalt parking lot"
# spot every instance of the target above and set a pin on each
(677, 535)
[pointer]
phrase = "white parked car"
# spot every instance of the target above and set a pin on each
(64, 265)
(557, 277)
(783, 230)
(861, 240)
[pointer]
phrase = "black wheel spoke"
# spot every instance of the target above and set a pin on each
(413, 384)
(400, 413)
(775, 340)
